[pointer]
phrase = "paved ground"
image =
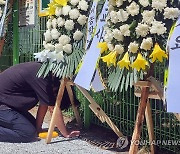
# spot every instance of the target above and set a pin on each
(58, 145)
(93, 141)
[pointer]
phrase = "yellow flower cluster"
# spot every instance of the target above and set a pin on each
(138, 64)
(53, 4)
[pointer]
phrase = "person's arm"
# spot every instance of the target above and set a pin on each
(42, 109)
(61, 125)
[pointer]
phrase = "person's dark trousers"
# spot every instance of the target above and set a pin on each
(15, 127)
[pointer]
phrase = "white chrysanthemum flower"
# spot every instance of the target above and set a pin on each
(158, 27)
(133, 47)
(113, 17)
(142, 29)
(74, 13)
(49, 24)
(58, 47)
(109, 23)
(129, 1)
(59, 56)
(125, 30)
(67, 48)
(83, 5)
(119, 2)
(133, 9)
(112, 2)
(122, 15)
(74, 2)
(69, 24)
(110, 46)
(148, 16)
(82, 20)
(55, 34)
(64, 39)
(1, 12)
(58, 11)
(171, 13)
(107, 29)
(65, 10)
(49, 47)
(159, 4)
(77, 35)
(54, 23)
(41, 56)
(147, 44)
(60, 21)
(2, 2)
(44, 43)
(108, 37)
(119, 49)
(144, 3)
(47, 36)
(117, 35)
(110, 8)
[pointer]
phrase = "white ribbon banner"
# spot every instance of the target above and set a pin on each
(85, 75)
(91, 23)
(173, 84)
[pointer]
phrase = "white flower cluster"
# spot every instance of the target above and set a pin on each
(63, 29)
(2, 3)
(133, 25)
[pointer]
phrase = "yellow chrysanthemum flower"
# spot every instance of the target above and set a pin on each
(158, 53)
(110, 58)
(51, 9)
(103, 46)
(139, 63)
(124, 62)
(61, 2)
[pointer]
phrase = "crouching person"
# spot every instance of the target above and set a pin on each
(20, 91)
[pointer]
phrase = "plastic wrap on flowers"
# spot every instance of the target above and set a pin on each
(136, 37)
(64, 39)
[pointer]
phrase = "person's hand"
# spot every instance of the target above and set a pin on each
(73, 134)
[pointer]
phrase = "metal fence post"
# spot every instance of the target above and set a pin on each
(87, 114)
(15, 33)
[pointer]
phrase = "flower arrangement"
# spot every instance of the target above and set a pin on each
(66, 32)
(136, 37)
(2, 3)
(2, 6)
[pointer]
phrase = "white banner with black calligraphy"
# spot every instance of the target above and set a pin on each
(85, 76)
(173, 84)
(91, 24)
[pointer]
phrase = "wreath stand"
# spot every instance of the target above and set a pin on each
(2, 40)
(145, 90)
(93, 106)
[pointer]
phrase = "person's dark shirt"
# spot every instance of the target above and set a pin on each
(21, 89)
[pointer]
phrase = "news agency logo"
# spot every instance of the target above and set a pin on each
(122, 142)
(156, 142)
